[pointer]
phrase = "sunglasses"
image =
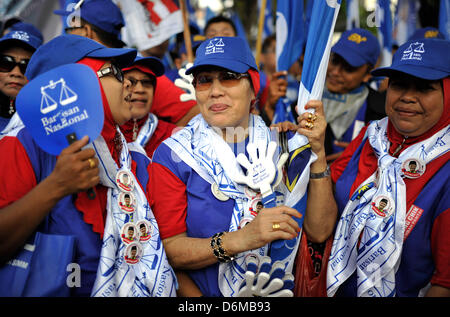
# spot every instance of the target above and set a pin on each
(8, 63)
(111, 70)
(146, 83)
(203, 81)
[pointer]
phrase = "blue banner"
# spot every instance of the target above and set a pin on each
(444, 18)
(290, 28)
(317, 52)
(385, 32)
(405, 21)
(352, 14)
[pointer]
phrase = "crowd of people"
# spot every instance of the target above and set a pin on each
(358, 188)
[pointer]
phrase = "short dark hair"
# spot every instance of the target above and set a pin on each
(267, 41)
(108, 39)
(218, 19)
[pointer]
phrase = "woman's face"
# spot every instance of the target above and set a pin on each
(118, 95)
(11, 82)
(142, 91)
(342, 78)
(226, 102)
(414, 105)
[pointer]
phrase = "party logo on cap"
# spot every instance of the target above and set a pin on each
(215, 46)
(357, 38)
(414, 51)
(21, 35)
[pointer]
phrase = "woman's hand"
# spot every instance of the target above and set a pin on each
(75, 170)
(313, 126)
(264, 229)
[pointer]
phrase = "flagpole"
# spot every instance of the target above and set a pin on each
(260, 31)
(186, 32)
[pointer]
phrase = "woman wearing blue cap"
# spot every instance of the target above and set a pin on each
(392, 186)
(16, 49)
(50, 192)
(205, 203)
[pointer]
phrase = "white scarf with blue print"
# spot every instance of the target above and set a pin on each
(377, 256)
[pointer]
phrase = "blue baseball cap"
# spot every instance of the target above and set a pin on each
(426, 33)
(153, 63)
(104, 14)
(20, 38)
(425, 58)
(27, 27)
(358, 47)
(67, 48)
(232, 53)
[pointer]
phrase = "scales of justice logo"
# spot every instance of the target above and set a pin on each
(65, 96)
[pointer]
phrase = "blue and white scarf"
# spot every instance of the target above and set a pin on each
(377, 256)
(205, 151)
(147, 130)
(152, 275)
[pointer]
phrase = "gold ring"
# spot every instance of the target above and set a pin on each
(91, 163)
(276, 226)
(309, 125)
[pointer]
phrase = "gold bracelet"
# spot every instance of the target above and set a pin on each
(219, 252)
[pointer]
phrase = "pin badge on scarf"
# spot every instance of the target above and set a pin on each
(129, 233)
(413, 168)
(383, 206)
(127, 202)
(125, 181)
(218, 193)
(133, 253)
(145, 230)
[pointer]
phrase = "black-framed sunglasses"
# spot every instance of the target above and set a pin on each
(7, 64)
(203, 81)
(146, 83)
(111, 70)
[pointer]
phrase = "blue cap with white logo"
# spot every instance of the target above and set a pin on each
(66, 49)
(22, 38)
(358, 47)
(425, 58)
(232, 53)
(104, 14)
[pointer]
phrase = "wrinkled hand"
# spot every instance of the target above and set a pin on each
(73, 172)
(185, 83)
(316, 132)
(266, 280)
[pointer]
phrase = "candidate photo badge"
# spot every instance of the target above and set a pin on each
(144, 230)
(127, 202)
(383, 206)
(413, 168)
(129, 233)
(125, 181)
(133, 253)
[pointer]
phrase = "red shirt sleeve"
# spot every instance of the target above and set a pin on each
(16, 172)
(338, 166)
(440, 247)
(167, 104)
(168, 201)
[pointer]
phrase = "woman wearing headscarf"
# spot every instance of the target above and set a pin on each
(50, 191)
(206, 204)
(145, 129)
(16, 48)
(392, 186)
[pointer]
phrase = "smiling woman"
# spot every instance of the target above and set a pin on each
(207, 216)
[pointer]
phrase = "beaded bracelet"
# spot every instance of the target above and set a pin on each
(219, 252)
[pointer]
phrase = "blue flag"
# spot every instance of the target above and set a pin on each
(444, 18)
(269, 25)
(405, 21)
(352, 14)
(290, 28)
(317, 53)
(385, 32)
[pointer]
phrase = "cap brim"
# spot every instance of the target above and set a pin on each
(62, 12)
(20, 43)
(232, 65)
(122, 56)
(413, 70)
